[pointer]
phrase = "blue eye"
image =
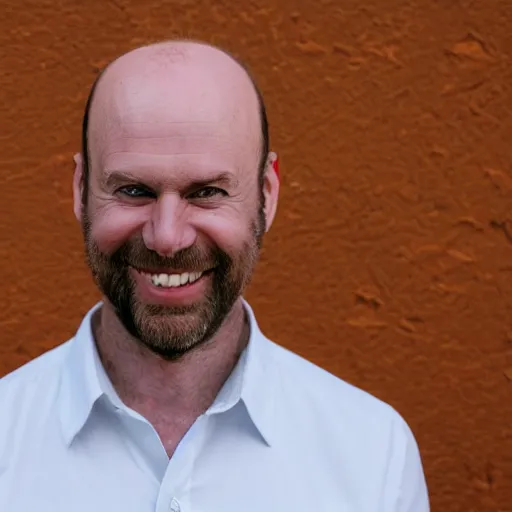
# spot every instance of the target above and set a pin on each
(208, 193)
(135, 191)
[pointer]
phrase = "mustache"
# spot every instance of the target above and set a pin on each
(137, 255)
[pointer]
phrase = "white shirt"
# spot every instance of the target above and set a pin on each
(282, 435)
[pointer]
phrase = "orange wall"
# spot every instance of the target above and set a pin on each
(391, 260)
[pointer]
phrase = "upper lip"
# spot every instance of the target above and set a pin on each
(156, 271)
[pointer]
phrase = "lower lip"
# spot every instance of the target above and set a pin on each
(171, 296)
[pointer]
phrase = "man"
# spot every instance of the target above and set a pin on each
(169, 397)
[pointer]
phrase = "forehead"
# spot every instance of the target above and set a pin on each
(191, 113)
(192, 150)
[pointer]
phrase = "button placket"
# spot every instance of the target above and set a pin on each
(175, 486)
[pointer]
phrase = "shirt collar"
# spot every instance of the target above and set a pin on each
(84, 381)
(252, 382)
(80, 385)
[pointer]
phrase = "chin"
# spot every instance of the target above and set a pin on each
(171, 333)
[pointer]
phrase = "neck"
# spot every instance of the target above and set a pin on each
(154, 387)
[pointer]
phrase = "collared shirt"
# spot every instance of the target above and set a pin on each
(282, 435)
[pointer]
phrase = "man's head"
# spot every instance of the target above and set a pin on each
(175, 190)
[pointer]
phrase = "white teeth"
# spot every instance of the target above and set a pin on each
(163, 279)
(173, 280)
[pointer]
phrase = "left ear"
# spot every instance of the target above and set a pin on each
(271, 189)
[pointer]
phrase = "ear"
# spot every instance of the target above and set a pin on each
(78, 186)
(271, 189)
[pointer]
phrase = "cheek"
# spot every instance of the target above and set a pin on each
(228, 232)
(112, 227)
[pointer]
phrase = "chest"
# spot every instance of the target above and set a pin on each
(218, 466)
(273, 488)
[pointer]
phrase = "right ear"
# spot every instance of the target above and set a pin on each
(78, 186)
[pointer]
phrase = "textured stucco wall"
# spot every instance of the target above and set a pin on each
(391, 260)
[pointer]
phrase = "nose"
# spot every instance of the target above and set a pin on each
(167, 231)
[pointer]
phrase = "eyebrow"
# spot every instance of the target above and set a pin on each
(118, 178)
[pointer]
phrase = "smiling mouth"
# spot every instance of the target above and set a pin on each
(163, 280)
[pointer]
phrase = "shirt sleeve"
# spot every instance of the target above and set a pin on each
(406, 488)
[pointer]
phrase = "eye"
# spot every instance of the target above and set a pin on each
(135, 191)
(208, 193)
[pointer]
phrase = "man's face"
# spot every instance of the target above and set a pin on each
(172, 327)
(174, 217)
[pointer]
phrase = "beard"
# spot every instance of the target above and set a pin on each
(167, 331)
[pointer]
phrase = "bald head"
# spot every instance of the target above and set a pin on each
(175, 84)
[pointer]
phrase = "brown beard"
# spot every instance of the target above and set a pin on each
(171, 332)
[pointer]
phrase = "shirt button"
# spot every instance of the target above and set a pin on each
(175, 505)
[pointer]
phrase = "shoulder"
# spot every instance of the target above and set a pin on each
(37, 367)
(330, 400)
(350, 428)
(331, 416)
(319, 384)
(26, 398)
(30, 384)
